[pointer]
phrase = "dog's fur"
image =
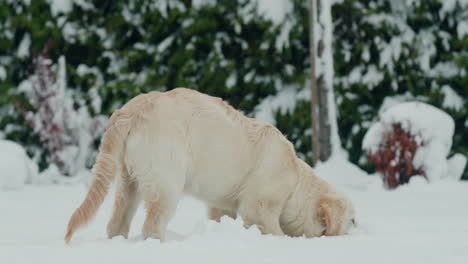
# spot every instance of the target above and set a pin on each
(161, 145)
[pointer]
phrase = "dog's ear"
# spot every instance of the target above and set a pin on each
(331, 210)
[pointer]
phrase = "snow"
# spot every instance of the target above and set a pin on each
(371, 78)
(164, 6)
(3, 73)
(60, 6)
(200, 3)
(417, 223)
(449, 5)
(444, 69)
(23, 48)
(15, 166)
(131, 17)
(96, 100)
(84, 4)
(344, 174)
(432, 128)
(462, 29)
(283, 37)
(391, 101)
(456, 165)
(452, 99)
(231, 80)
(285, 100)
(65, 6)
(276, 11)
(69, 31)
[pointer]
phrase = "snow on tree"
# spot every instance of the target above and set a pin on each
(66, 130)
(411, 139)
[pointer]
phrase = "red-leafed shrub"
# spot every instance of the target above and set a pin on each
(413, 138)
(59, 116)
(394, 157)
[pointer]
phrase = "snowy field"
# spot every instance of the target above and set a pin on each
(417, 223)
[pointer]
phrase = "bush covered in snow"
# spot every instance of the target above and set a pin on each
(411, 139)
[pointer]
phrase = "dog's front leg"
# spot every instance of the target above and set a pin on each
(264, 213)
(215, 214)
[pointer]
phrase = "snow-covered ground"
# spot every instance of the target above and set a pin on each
(417, 223)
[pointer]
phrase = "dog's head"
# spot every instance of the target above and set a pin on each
(336, 213)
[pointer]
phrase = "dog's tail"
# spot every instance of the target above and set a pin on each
(107, 163)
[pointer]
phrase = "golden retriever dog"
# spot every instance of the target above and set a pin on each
(159, 146)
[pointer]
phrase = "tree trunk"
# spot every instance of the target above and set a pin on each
(313, 85)
(324, 121)
(325, 130)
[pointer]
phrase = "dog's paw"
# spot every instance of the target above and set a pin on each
(153, 235)
(115, 230)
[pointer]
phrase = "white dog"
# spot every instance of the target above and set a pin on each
(161, 145)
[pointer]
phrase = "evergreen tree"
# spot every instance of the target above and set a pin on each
(397, 51)
(384, 51)
(223, 48)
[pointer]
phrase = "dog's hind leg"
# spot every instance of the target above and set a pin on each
(158, 152)
(134, 199)
(161, 192)
(126, 203)
(159, 211)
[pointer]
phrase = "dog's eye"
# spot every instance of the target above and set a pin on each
(353, 221)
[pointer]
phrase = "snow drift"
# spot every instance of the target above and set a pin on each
(16, 168)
